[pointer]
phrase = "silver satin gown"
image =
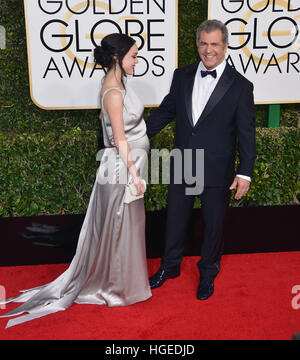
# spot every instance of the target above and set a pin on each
(109, 266)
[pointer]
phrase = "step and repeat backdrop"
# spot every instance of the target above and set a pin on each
(61, 36)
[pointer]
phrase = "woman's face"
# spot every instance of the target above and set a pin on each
(130, 60)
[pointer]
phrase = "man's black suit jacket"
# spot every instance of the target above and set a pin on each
(226, 124)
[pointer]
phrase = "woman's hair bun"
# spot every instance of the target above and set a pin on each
(102, 56)
(113, 48)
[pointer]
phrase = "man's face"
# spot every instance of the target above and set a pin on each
(211, 48)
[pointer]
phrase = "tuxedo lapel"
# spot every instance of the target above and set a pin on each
(188, 89)
(220, 90)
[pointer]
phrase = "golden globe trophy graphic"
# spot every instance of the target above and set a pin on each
(92, 35)
(287, 36)
(263, 45)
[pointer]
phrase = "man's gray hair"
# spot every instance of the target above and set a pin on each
(212, 25)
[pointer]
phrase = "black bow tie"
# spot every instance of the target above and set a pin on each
(213, 73)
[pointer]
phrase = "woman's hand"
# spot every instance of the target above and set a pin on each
(140, 188)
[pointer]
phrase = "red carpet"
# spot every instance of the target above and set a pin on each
(252, 300)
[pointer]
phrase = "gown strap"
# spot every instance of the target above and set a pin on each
(109, 89)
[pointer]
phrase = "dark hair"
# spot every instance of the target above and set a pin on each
(113, 45)
(212, 25)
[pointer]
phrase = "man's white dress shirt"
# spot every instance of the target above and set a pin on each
(202, 90)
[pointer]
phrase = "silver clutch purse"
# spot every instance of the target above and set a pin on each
(130, 193)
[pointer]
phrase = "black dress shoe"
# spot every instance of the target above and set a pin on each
(205, 289)
(163, 274)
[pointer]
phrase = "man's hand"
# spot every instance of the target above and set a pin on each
(242, 187)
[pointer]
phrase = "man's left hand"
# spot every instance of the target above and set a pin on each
(242, 187)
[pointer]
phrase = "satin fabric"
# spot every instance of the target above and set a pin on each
(109, 266)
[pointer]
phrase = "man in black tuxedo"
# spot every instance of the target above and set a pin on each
(214, 110)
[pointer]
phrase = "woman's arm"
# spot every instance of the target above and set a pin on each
(113, 104)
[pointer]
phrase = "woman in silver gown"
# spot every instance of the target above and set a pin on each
(109, 266)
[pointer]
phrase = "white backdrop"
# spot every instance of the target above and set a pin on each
(61, 36)
(266, 41)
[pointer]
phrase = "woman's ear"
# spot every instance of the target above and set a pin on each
(116, 61)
